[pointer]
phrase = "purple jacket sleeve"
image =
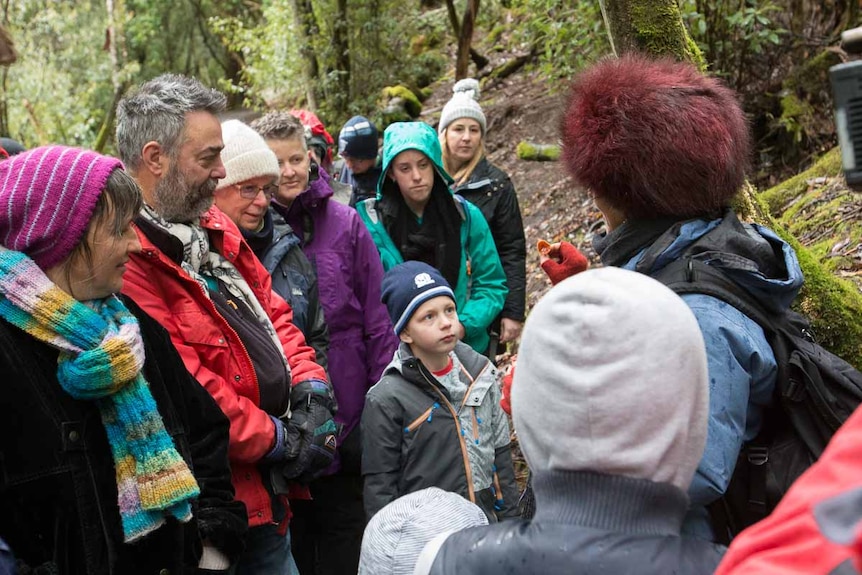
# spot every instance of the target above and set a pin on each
(380, 339)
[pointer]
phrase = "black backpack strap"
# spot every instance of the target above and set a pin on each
(691, 276)
(688, 275)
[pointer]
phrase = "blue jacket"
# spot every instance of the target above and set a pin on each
(742, 367)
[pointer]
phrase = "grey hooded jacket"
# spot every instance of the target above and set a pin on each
(414, 436)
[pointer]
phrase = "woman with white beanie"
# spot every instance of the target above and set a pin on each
(462, 130)
(251, 181)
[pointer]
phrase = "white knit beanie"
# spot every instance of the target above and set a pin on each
(245, 155)
(397, 534)
(464, 104)
(612, 378)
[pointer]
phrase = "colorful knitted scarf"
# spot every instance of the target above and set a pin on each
(101, 358)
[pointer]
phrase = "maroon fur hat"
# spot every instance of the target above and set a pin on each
(655, 138)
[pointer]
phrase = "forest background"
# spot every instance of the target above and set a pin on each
(397, 59)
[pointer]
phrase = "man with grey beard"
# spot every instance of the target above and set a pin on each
(198, 278)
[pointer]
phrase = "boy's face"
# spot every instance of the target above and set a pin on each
(432, 328)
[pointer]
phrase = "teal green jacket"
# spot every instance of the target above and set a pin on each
(481, 288)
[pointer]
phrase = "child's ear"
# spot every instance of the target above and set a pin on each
(405, 336)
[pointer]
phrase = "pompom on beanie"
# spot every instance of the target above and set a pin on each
(464, 104)
(246, 155)
(47, 198)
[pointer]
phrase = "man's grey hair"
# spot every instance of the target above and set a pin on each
(156, 113)
(280, 126)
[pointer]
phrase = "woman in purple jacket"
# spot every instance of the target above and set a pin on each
(362, 341)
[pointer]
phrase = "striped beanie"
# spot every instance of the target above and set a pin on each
(47, 197)
(397, 534)
(407, 286)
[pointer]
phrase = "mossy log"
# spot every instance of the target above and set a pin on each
(801, 210)
(538, 152)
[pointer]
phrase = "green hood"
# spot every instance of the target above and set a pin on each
(402, 136)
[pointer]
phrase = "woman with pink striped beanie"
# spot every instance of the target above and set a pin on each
(102, 425)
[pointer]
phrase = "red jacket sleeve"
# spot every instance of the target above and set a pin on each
(817, 527)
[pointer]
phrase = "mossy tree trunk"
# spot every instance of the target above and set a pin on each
(835, 305)
(650, 26)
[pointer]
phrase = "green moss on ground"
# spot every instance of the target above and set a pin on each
(777, 197)
(538, 152)
(800, 208)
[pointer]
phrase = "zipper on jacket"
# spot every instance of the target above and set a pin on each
(426, 416)
(467, 470)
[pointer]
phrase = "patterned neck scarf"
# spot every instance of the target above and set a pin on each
(101, 358)
(199, 261)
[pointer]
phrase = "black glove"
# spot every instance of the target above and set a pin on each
(309, 434)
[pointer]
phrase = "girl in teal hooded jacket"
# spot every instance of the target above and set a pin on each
(416, 217)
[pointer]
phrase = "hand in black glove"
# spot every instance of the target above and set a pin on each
(309, 442)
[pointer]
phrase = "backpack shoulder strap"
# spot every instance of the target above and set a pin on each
(689, 276)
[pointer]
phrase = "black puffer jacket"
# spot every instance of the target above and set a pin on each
(58, 492)
(586, 523)
(491, 190)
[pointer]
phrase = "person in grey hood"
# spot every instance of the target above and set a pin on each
(610, 403)
(663, 149)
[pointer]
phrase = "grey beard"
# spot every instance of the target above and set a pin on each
(176, 202)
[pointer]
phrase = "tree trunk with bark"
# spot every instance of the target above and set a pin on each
(307, 28)
(656, 27)
(341, 96)
(463, 31)
(650, 26)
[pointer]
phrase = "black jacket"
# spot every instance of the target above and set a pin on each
(586, 524)
(491, 190)
(58, 492)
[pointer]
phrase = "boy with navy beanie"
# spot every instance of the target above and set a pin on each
(434, 418)
(357, 146)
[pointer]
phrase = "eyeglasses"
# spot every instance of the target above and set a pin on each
(250, 191)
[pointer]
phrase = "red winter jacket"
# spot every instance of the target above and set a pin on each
(212, 351)
(817, 527)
